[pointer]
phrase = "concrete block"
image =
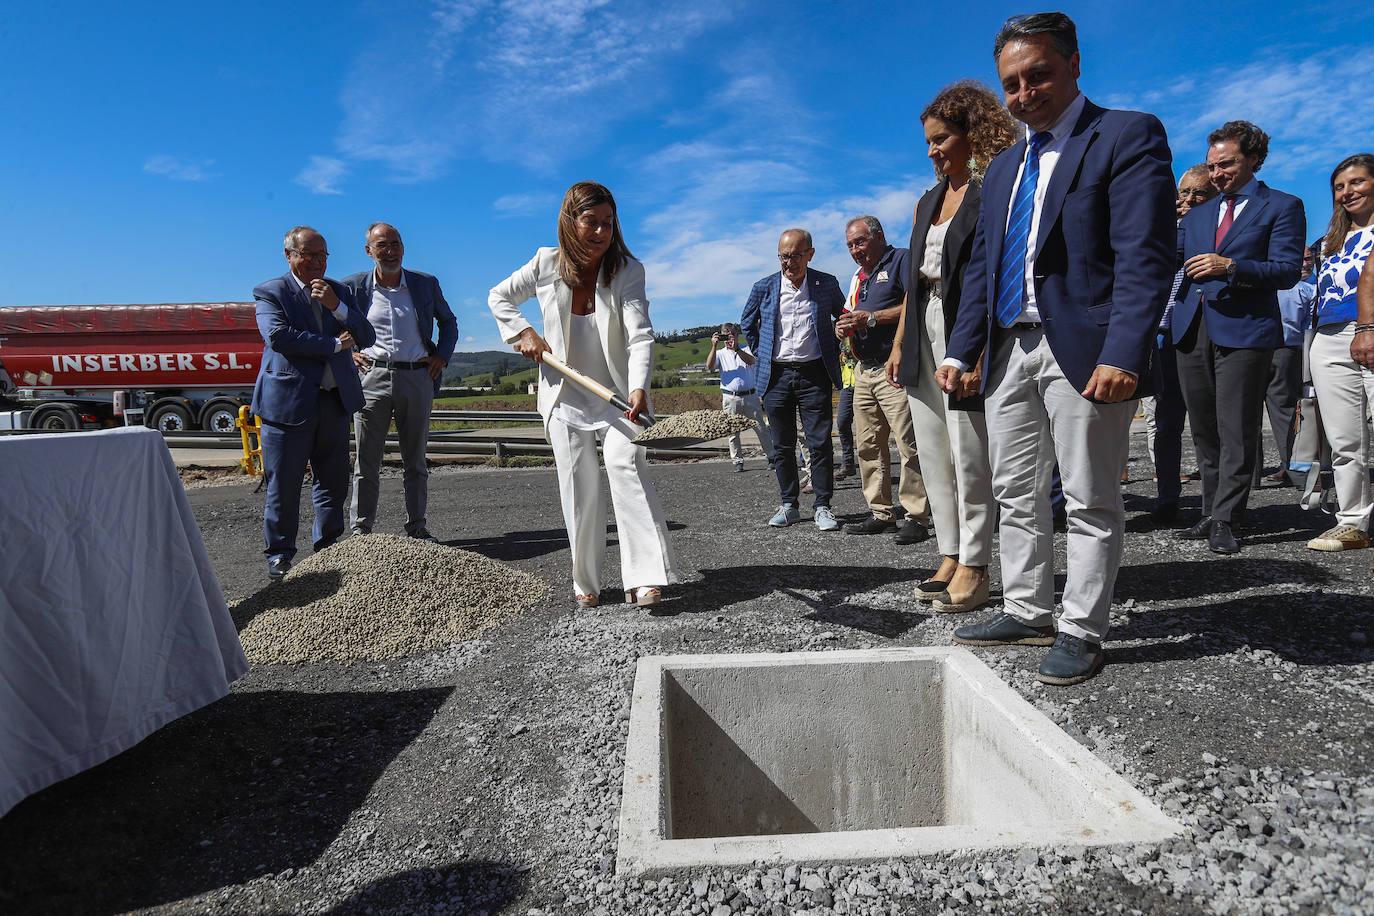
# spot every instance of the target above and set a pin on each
(853, 756)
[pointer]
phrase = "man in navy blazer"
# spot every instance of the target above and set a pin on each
(1237, 251)
(789, 319)
(1070, 268)
(401, 374)
(306, 390)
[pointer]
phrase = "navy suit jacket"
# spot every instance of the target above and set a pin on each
(760, 321)
(295, 356)
(430, 307)
(1266, 242)
(1105, 258)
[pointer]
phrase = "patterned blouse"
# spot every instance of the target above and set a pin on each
(1340, 275)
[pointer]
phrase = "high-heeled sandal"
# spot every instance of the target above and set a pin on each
(588, 601)
(644, 595)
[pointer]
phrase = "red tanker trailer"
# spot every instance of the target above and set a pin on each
(183, 365)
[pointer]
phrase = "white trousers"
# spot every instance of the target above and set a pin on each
(646, 555)
(1345, 391)
(954, 456)
(747, 405)
(1036, 417)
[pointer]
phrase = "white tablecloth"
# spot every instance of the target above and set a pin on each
(112, 622)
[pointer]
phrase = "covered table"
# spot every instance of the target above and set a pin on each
(112, 622)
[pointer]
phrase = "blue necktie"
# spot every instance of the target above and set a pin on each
(1011, 290)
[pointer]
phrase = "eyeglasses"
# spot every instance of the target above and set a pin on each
(789, 258)
(311, 255)
(1194, 194)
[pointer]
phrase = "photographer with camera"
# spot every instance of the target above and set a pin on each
(737, 394)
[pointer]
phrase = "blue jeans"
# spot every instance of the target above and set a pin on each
(801, 389)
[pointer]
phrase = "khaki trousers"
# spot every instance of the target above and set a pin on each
(880, 410)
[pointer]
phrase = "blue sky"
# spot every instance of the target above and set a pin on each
(157, 152)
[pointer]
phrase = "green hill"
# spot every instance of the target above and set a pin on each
(476, 369)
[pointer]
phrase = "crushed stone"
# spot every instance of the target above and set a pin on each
(698, 424)
(381, 596)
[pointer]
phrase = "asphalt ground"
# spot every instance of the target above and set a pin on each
(484, 777)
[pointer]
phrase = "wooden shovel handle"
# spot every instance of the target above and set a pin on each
(595, 387)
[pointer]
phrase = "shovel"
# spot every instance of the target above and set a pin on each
(644, 419)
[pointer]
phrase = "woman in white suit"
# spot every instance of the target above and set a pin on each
(596, 319)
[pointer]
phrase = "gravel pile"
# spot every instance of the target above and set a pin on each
(381, 596)
(697, 424)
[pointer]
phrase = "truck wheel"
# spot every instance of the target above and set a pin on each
(170, 418)
(220, 416)
(55, 417)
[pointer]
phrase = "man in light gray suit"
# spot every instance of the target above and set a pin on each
(400, 374)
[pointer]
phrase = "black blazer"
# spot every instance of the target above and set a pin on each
(958, 248)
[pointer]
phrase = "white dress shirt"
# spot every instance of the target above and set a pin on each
(392, 315)
(1242, 198)
(797, 339)
(1049, 158)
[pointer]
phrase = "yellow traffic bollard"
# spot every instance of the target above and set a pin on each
(251, 462)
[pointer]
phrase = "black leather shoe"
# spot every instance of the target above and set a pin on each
(1164, 514)
(872, 525)
(1071, 661)
(1002, 629)
(911, 531)
(277, 567)
(1198, 532)
(1221, 540)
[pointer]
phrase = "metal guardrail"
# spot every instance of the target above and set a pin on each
(441, 442)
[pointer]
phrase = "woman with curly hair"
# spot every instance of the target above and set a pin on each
(1345, 387)
(966, 127)
(596, 320)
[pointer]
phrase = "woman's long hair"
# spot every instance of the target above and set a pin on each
(1340, 220)
(572, 255)
(971, 107)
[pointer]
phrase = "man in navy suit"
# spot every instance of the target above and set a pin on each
(401, 374)
(1070, 268)
(790, 322)
(1237, 251)
(307, 387)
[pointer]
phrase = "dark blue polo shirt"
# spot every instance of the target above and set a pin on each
(885, 288)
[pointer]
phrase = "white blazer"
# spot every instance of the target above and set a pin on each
(627, 337)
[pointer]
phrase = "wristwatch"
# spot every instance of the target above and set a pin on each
(872, 319)
(1231, 269)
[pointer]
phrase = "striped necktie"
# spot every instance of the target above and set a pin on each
(1011, 287)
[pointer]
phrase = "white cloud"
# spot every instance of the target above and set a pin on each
(526, 204)
(1297, 101)
(322, 175)
(179, 169)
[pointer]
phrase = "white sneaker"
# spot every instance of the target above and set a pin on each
(824, 520)
(787, 515)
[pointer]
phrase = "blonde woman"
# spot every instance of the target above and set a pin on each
(596, 320)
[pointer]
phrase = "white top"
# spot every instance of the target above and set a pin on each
(578, 407)
(1049, 158)
(392, 315)
(797, 341)
(734, 374)
(932, 260)
(627, 337)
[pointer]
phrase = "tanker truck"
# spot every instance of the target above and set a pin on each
(171, 366)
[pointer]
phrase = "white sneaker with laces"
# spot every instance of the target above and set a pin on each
(825, 521)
